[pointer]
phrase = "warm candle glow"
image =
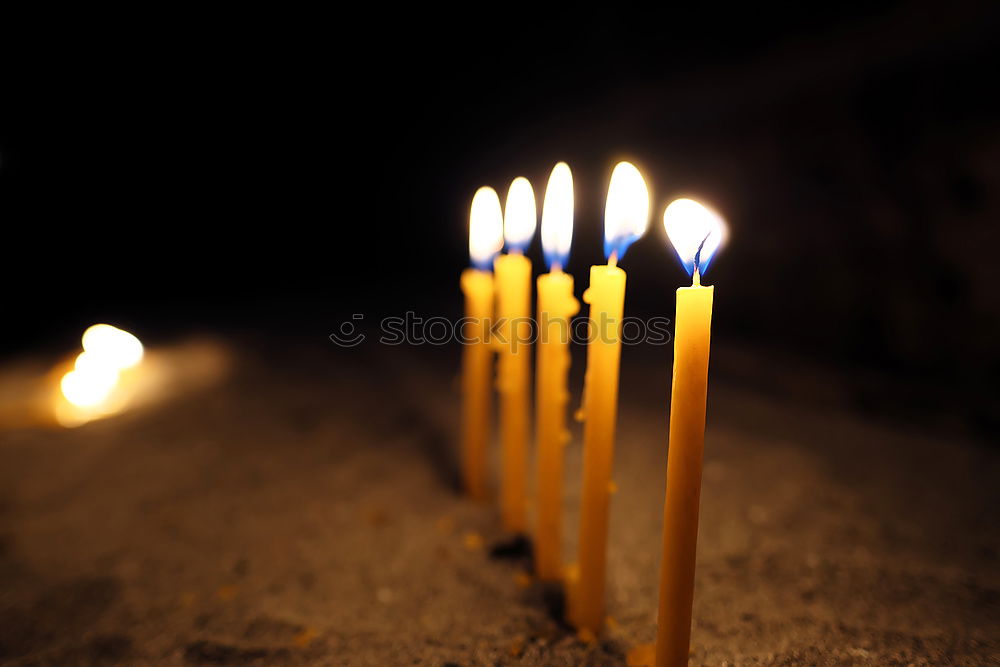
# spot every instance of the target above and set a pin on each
(626, 215)
(485, 228)
(519, 215)
(695, 231)
(94, 387)
(557, 216)
(90, 383)
(111, 346)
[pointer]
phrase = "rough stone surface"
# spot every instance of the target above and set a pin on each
(304, 512)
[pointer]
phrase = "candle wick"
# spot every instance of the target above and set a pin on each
(613, 260)
(697, 262)
(556, 267)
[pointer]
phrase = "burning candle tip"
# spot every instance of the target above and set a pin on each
(557, 217)
(519, 216)
(696, 273)
(696, 232)
(485, 228)
(626, 213)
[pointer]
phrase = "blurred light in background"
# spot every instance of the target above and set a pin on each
(102, 378)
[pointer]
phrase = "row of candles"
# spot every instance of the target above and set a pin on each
(696, 232)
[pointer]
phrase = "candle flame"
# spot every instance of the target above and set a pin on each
(88, 384)
(695, 231)
(519, 216)
(626, 215)
(485, 228)
(91, 389)
(112, 346)
(557, 216)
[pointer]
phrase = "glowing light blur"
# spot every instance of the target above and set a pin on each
(691, 225)
(89, 386)
(626, 214)
(485, 228)
(520, 217)
(557, 216)
(112, 346)
(93, 387)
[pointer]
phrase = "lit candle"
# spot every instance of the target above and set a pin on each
(626, 217)
(696, 233)
(485, 240)
(513, 288)
(556, 306)
(103, 378)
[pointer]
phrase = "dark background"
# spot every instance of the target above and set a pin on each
(275, 174)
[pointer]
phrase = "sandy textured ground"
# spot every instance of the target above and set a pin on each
(303, 512)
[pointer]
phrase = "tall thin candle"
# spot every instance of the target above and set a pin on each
(696, 233)
(556, 306)
(485, 240)
(513, 282)
(626, 217)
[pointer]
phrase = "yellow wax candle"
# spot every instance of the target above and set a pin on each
(513, 290)
(485, 239)
(692, 330)
(556, 306)
(696, 233)
(477, 373)
(625, 219)
(606, 297)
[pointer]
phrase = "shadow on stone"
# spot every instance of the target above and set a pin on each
(553, 599)
(517, 548)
